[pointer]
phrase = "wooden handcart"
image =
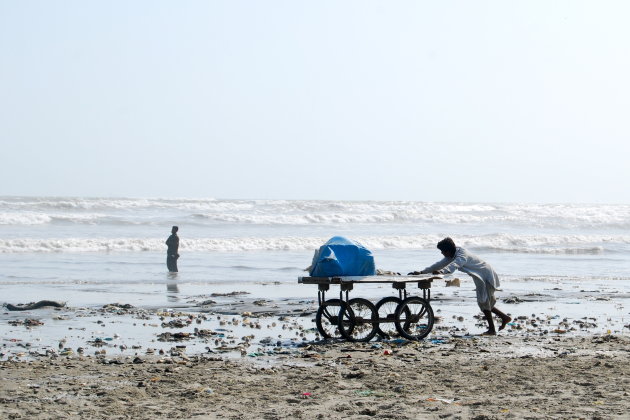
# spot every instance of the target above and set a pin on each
(358, 319)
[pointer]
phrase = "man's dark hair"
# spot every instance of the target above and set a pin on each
(174, 229)
(447, 245)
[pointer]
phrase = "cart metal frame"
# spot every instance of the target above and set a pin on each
(359, 320)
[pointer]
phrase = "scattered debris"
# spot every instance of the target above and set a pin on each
(229, 294)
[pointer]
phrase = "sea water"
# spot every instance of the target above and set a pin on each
(564, 262)
(92, 251)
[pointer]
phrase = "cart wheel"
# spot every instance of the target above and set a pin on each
(327, 318)
(386, 313)
(357, 320)
(414, 318)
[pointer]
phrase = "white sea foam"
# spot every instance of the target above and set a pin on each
(26, 218)
(552, 244)
(32, 218)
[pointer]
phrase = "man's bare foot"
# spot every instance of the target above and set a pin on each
(489, 332)
(504, 322)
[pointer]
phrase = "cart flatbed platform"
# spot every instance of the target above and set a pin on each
(368, 279)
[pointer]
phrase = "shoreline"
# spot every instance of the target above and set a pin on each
(238, 323)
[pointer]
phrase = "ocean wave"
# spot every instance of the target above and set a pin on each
(548, 244)
(81, 203)
(333, 219)
(299, 219)
(593, 250)
(42, 210)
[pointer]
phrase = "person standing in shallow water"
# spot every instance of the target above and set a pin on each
(485, 278)
(171, 253)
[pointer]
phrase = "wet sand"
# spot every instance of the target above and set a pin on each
(477, 377)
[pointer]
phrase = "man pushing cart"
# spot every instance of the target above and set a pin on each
(346, 263)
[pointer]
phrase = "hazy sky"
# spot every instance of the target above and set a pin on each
(405, 100)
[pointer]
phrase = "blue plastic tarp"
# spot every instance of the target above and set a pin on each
(342, 257)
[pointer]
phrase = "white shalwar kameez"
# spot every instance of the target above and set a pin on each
(485, 278)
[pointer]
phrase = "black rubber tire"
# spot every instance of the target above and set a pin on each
(327, 318)
(385, 309)
(414, 318)
(357, 320)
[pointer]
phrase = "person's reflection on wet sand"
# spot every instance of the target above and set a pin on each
(172, 290)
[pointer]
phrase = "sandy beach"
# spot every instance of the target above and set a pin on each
(222, 361)
(478, 378)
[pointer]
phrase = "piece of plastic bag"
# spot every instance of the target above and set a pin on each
(342, 257)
